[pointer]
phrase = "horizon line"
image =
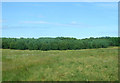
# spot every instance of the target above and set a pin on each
(60, 37)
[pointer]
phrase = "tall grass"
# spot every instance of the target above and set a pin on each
(65, 65)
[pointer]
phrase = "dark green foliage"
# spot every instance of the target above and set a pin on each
(58, 43)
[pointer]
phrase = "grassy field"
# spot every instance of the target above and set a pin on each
(67, 65)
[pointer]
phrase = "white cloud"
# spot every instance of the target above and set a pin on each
(35, 22)
(73, 23)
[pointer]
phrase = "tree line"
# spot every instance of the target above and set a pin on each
(58, 43)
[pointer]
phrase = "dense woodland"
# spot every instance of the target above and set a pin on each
(58, 43)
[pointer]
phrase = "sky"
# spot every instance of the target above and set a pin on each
(56, 19)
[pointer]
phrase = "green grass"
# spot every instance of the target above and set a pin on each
(66, 65)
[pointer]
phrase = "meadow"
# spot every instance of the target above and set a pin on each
(99, 64)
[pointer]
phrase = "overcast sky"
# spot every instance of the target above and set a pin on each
(53, 19)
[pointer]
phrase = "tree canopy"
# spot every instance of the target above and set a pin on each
(58, 43)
